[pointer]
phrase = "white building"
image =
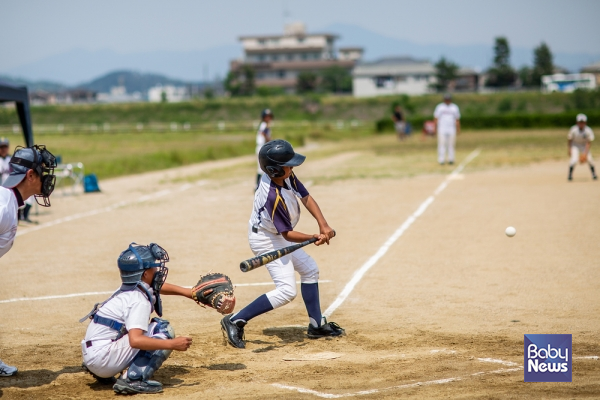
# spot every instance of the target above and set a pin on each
(171, 94)
(118, 94)
(394, 75)
(567, 82)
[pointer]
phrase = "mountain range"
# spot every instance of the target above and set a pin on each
(77, 67)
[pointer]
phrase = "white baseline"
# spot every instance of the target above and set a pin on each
(358, 275)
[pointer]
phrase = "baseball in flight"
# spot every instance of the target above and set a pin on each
(510, 231)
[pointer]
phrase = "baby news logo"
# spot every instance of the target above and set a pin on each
(548, 358)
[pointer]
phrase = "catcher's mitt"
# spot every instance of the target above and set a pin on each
(215, 290)
(582, 158)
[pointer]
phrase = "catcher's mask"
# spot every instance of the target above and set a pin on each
(39, 159)
(277, 154)
(138, 258)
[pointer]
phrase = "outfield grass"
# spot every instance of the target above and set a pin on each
(376, 156)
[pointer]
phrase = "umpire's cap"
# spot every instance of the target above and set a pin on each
(4, 141)
(18, 172)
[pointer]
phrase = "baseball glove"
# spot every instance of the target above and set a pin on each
(582, 158)
(215, 290)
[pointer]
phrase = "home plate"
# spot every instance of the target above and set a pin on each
(327, 355)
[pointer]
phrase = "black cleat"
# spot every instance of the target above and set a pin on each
(595, 177)
(104, 381)
(570, 178)
(450, 162)
(127, 386)
(233, 332)
(328, 329)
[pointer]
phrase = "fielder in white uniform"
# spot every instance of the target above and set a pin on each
(32, 173)
(119, 339)
(580, 140)
(447, 125)
(4, 159)
(275, 213)
(263, 135)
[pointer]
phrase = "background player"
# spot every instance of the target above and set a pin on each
(263, 135)
(32, 174)
(275, 214)
(4, 159)
(120, 337)
(399, 124)
(447, 125)
(580, 140)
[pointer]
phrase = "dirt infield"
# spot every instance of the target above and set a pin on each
(441, 314)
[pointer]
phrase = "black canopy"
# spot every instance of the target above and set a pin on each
(19, 95)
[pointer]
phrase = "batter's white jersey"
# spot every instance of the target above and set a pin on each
(447, 115)
(106, 357)
(9, 220)
(4, 168)
(580, 137)
(276, 208)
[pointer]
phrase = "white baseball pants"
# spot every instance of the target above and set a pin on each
(575, 151)
(446, 142)
(282, 269)
(106, 358)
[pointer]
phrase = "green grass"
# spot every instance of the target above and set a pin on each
(374, 156)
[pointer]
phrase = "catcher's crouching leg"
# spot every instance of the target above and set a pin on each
(137, 378)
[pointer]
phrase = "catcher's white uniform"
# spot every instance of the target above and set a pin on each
(580, 138)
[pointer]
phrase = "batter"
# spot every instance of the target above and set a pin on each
(275, 213)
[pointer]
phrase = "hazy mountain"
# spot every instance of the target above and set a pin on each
(77, 66)
(476, 55)
(33, 85)
(133, 81)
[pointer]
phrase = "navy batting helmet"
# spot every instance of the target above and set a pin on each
(137, 258)
(277, 154)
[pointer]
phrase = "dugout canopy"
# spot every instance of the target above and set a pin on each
(20, 96)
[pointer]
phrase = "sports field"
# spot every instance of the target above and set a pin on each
(435, 299)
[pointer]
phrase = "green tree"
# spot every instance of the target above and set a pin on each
(501, 74)
(336, 80)
(445, 71)
(307, 82)
(241, 82)
(542, 63)
(525, 76)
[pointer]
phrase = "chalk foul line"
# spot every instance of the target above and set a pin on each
(112, 207)
(85, 294)
(360, 273)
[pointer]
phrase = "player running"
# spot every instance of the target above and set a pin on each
(447, 125)
(580, 140)
(120, 337)
(263, 135)
(32, 174)
(275, 214)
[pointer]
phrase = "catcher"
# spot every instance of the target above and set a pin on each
(580, 140)
(120, 340)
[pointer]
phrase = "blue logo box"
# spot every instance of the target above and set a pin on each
(548, 358)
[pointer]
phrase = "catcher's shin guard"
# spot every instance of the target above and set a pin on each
(146, 363)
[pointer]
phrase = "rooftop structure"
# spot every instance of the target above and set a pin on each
(278, 59)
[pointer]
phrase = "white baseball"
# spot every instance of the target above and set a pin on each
(510, 231)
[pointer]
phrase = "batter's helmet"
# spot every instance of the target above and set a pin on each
(277, 154)
(266, 112)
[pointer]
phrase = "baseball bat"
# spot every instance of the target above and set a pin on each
(258, 261)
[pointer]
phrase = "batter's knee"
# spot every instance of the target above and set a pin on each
(310, 276)
(282, 295)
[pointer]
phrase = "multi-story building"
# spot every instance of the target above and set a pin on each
(278, 59)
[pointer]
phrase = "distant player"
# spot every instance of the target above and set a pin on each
(399, 122)
(447, 125)
(32, 174)
(580, 140)
(276, 212)
(263, 135)
(120, 339)
(4, 159)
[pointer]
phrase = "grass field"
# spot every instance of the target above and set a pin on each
(111, 155)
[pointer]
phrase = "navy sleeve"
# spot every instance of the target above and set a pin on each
(278, 211)
(298, 186)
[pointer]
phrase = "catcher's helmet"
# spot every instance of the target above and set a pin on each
(276, 154)
(266, 112)
(138, 258)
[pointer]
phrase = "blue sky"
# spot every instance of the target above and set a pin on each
(31, 30)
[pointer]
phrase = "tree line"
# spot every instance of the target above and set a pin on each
(501, 73)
